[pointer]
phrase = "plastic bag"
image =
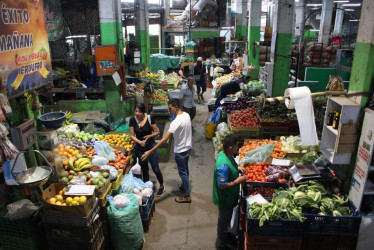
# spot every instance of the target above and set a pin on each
(149, 184)
(137, 169)
(257, 155)
(103, 149)
(99, 161)
(125, 224)
(120, 201)
(322, 161)
(223, 129)
(113, 173)
(116, 124)
(127, 184)
(21, 209)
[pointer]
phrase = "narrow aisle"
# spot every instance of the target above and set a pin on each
(187, 226)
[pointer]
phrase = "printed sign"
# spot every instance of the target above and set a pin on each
(24, 49)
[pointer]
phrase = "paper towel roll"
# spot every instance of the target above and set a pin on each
(300, 99)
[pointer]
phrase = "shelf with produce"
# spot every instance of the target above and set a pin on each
(73, 91)
(65, 76)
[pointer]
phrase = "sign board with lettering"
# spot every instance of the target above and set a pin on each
(24, 48)
(364, 159)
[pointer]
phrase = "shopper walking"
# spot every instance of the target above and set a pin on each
(231, 88)
(143, 129)
(226, 182)
(180, 129)
(200, 78)
(186, 95)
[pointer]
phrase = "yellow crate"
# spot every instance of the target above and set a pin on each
(117, 182)
(102, 199)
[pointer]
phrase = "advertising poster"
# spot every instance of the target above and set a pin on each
(56, 26)
(25, 61)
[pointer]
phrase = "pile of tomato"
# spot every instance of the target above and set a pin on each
(244, 118)
(256, 172)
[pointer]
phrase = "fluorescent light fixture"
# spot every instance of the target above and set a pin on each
(341, 1)
(352, 5)
(314, 4)
(354, 20)
(349, 10)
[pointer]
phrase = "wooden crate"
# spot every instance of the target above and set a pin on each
(346, 138)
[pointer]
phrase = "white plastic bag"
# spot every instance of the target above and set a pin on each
(103, 149)
(137, 169)
(99, 161)
(120, 201)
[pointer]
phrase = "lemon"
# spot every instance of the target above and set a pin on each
(59, 198)
(76, 198)
(74, 203)
(58, 203)
(82, 200)
(64, 204)
(52, 200)
(69, 200)
(61, 192)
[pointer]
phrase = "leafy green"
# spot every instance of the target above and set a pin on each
(310, 157)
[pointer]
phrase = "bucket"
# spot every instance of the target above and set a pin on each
(210, 128)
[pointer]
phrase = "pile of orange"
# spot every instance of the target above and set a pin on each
(119, 141)
(67, 151)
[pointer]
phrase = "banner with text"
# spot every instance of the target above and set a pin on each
(25, 61)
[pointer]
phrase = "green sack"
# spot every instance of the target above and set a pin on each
(125, 224)
(124, 128)
(116, 124)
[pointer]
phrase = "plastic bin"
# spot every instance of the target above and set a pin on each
(9, 242)
(333, 225)
(271, 243)
(328, 242)
(252, 184)
(146, 208)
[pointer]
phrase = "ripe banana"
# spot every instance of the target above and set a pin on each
(86, 166)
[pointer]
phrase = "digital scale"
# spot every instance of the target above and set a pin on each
(24, 134)
(304, 171)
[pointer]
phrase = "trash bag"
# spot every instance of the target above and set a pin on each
(114, 125)
(257, 155)
(125, 224)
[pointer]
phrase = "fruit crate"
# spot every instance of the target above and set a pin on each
(147, 222)
(272, 132)
(94, 243)
(102, 200)
(117, 181)
(251, 131)
(333, 225)
(273, 124)
(146, 208)
(99, 192)
(55, 218)
(278, 228)
(328, 242)
(255, 184)
(20, 228)
(9, 242)
(272, 243)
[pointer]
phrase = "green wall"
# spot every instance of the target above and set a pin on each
(204, 34)
(142, 38)
(154, 43)
(253, 36)
(240, 32)
(363, 69)
(281, 64)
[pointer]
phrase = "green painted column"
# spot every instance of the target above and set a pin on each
(362, 73)
(254, 26)
(111, 33)
(241, 22)
(142, 30)
(281, 48)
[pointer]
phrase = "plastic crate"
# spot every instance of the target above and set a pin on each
(328, 242)
(145, 209)
(271, 243)
(20, 228)
(278, 228)
(54, 218)
(333, 225)
(9, 242)
(95, 243)
(252, 184)
(272, 132)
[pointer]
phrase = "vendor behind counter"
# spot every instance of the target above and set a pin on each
(231, 88)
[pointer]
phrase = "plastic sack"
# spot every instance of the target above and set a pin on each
(216, 116)
(113, 173)
(149, 184)
(137, 169)
(116, 124)
(103, 149)
(257, 155)
(223, 130)
(69, 131)
(127, 184)
(125, 224)
(21, 209)
(99, 161)
(147, 192)
(120, 201)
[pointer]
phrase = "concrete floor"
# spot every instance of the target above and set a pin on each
(187, 226)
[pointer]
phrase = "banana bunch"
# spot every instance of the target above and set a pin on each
(32, 100)
(61, 70)
(80, 164)
(73, 84)
(68, 115)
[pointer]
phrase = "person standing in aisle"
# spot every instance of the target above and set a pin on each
(143, 129)
(226, 181)
(231, 88)
(186, 95)
(180, 128)
(200, 78)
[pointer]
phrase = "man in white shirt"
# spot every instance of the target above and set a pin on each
(181, 130)
(186, 98)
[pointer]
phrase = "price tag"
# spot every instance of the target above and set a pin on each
(281, 162)
(80, 190)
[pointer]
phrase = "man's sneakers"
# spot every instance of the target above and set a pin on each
(198, 99)
(183, 199)
(160, 191)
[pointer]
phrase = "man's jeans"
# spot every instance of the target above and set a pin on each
(182, 163)
(224, 218)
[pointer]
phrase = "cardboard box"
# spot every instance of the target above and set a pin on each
(80, 210)
(47, 139)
